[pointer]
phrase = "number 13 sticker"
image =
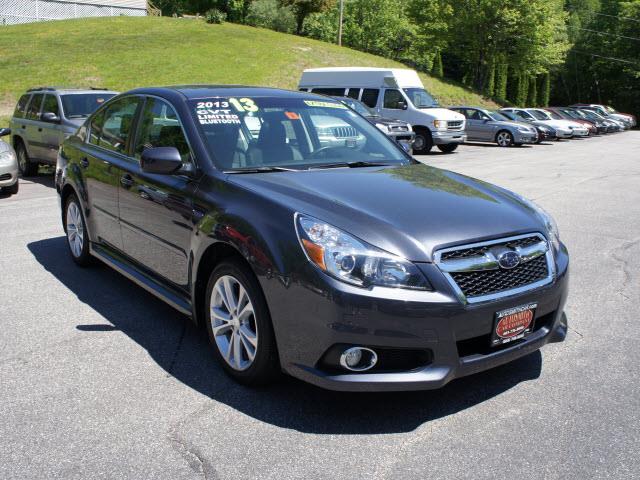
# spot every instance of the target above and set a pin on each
(244, 104)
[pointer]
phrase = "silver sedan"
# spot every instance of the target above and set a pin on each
(8, 166)
(490, 126)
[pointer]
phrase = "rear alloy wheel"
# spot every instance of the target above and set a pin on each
(25, 165)
(77, 238)
(448, 148)
(504, 139)
(423, 142)
(239, 324)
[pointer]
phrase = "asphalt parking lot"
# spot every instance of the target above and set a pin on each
(102, 380)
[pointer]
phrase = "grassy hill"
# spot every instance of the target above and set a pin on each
(123, 52)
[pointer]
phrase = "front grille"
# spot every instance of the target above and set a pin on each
(482, 249)
(344, 132)
(454, 124)
(5, 176)
(484, 282)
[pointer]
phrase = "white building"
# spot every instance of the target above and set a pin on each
(27, 11)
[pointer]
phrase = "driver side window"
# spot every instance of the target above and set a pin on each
(160, 127)
(392, 98)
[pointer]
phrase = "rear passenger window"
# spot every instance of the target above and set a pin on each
(118, 119)
(50, 105)
(160, 127)
(21, 107)
(370, 97)
(336, 92)
(33, 110)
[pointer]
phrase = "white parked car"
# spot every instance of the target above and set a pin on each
(578, 129)
(395, 93)
(8, 166)
(524, 115)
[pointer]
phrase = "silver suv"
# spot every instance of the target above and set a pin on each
(44, 117)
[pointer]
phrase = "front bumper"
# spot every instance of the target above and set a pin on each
(580, 132)
(456, 336)
(525, 137)
(404, 139)
(564, 133)
(8, 175)
(444, 138)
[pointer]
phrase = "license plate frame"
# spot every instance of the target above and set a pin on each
(513, 324)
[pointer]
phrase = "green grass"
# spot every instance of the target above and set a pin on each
(123, 52)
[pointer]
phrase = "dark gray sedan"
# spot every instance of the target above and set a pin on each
(491, 126)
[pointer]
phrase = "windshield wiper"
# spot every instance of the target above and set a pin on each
(357, 164)
(261, 170)
(78, 115)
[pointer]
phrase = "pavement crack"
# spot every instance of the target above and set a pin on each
(192, 454)
(626, 267)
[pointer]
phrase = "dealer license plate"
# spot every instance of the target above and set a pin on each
(513, 324)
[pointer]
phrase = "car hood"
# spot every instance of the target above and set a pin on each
(443, 113)
(408, 210)
(385, 120)
(505, 123)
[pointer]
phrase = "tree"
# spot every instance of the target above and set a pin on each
(270, 14)
(302, 8)
(502, 71)
(545, 90)
(532, 95)
(437, 70)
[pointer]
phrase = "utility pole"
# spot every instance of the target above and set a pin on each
(340, 25)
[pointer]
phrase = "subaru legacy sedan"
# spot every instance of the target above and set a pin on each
(348, 265)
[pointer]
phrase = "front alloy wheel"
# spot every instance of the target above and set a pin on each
(239, 324)
(233, 323)
(504, 139)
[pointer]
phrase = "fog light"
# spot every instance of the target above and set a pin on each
(358, 359)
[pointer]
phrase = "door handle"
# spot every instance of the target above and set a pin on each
(84, 163)
(24, 126)
(39, 129)
(126, 180)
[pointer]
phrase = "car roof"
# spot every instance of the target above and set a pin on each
(69, 90)
(205, 91)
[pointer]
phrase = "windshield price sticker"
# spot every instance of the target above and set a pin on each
(216, 112)
(316, 103)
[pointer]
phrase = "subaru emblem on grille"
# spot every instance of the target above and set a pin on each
(509, 259)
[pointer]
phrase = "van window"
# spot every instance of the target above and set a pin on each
(370, 97)
(353, 93)
(50, 104)
(33, 111)
(22, 105)
(392, 98)
(335, 92)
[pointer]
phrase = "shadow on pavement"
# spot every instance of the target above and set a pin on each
(178, 347)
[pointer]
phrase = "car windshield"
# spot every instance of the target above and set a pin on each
(420, 98)
(83, 104)
(260, 133)
(499, 116)
(359, 107)
(538, 114)
(554, 115)
(508, 115)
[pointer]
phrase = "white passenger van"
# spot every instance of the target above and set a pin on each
(394, 93)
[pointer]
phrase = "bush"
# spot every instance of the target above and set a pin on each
(215, 16)
(270, 14)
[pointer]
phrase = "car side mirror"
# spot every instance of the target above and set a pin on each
(4, 132)
(402, 105)
(162, 160)
(49, 117)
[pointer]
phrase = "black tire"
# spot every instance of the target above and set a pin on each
(27, 167)
(504, 138)
(423, 142)
(265, 366)
(13, 189)
(80, 256)
(448, 148)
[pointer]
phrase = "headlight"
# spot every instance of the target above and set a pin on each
(7, 159)
(524, 129)
(382, 127)
(353, 261)
(550, 224)
(440, 124)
